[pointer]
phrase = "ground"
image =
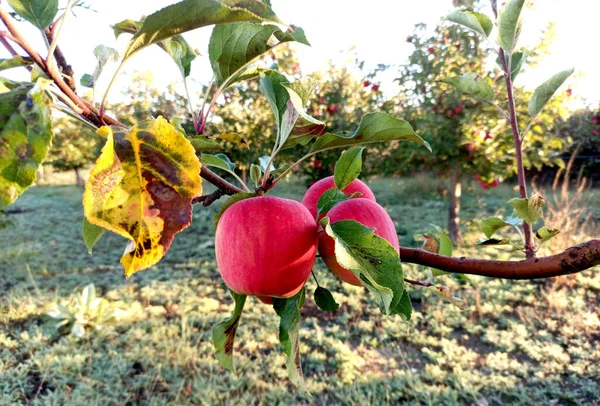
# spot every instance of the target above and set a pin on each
(514, 342)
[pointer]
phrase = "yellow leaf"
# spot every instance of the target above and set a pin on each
(142, 188)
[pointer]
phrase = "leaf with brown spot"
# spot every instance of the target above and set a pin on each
(142, 188)
(223, 333)
(25, 137)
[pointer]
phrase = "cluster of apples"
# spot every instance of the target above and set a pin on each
(266, 246)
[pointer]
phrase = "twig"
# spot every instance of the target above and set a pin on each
(419, 283)
(575, 259)
(222, 184)
(209, 199)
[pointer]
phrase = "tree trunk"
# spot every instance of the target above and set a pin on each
(78, 179)
(454, 192)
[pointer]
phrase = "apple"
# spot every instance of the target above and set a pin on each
(366, 212)
(313, 194)
(375, 88)
(366, 83)
(266, 246)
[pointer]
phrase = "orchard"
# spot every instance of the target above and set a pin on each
(151, 171)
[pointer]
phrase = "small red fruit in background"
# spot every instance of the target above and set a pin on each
(431, 50)
(266, 246)
(569, 92)
(366, 212)
(409, 39)
(595, 120)
(470, 147)
(313, 194)
(595, 132)
(366, 83)
(459, 109)
(485, 185)
(487, 136)
(375, 88)
(495, 183)
(317, 164)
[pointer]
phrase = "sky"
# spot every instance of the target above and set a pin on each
(342, 30)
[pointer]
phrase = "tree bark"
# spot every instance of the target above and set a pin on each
(78, 179)
(454, 192)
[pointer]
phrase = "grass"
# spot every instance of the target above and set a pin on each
(514, 343)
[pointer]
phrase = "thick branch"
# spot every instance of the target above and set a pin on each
(575, 259)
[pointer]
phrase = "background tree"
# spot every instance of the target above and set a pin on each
(469, 136)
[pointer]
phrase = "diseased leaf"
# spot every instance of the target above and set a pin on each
(25, 137)
(142, 188)
(509, 24)
(188, 15)
(91, 234)
(530, 210)
(492, 224)
(545, 233)
(204, 144)
(471, 84)
(40, 13)
(445, 242)
(223, 333)
(220, 161)
(348, 167)
(233, 199)
(239, 44)
(288, 311)
(374, 127)
(371, 259)
(546, 90)
(14, 62)
(126, 26)
(480, 23)
(324, 300)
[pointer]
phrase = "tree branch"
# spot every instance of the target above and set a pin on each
(575, 259)
(61, 61)
(209, 199)
(222, 184)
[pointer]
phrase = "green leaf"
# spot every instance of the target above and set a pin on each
(25, 137)
(223, 333)
(480, 23)
(220, 161)
(517, 61)
(176, 46)
(188, 15)
(445, 241)
(371, 259)
(14, 62)
(494, 241)
(255, 174)
(87, 80)
(288, 311)
(204, 144)
(263, 162)
(471, 84)
(348, 167)
(509, 24)
(40, 13)
(530, 210)
(91, 234)
(545, 233)
(104, 55)
(329, 199)
(546, 90)
(234, 46)
(233, 199)
(324, 300)
(270, 85)
(374, 127)
(492, 224)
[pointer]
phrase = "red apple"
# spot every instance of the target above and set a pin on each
(375, 88)
(366, 83)
(266, 246)
(313, 194)
(366, 212)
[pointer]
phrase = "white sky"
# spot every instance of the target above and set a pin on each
(376, 32)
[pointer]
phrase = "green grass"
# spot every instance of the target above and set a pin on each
(514, 343)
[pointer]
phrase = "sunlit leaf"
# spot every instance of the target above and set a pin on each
(25, 137)
(234, 138)
(492, 224)
(371, 259)
(189, 15)
(220, 161)
(348, 167)
(509, 24)
(14, 62)
(255, 174)
(91, 234)
(142, 188)
(223, 333)
(480, 23)
(204, 144)
(546, 90)
(40, 13)
(374, 127)
(329, 199)
(471, 84)
(545, 233)
(104, 55)
(530, 210)
(288, 311)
